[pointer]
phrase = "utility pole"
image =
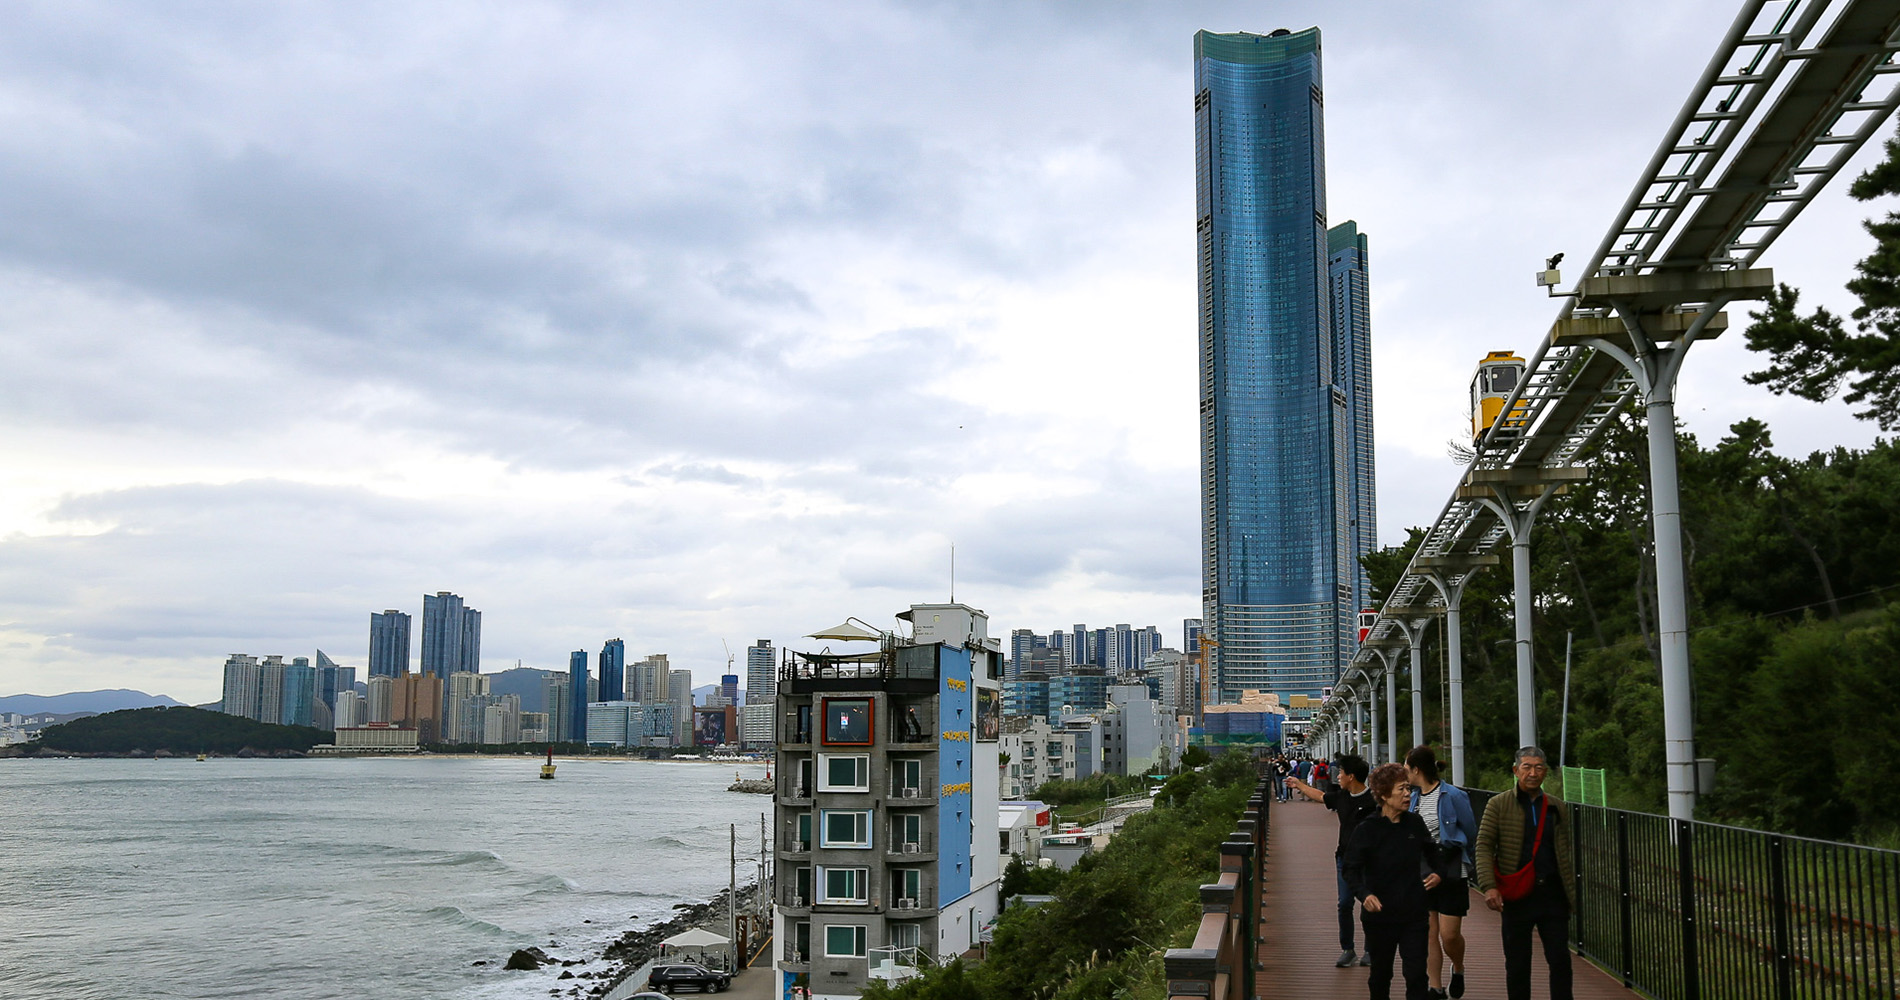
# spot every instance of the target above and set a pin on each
(732, 900)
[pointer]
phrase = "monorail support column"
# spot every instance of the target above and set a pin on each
(1515, 496)
(1662, 315)
(1450, 574)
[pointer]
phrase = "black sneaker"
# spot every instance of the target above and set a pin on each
(1435, 993)
(1457, 985)
(1365, 959)
(1346, 960)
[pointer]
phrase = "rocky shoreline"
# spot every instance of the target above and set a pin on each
(635, 948)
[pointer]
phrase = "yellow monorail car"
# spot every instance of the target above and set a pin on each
(1496, 379)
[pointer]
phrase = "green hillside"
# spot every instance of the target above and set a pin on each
(178, 729)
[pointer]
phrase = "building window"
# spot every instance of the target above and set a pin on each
(907, 828)
(906, 935)
(844, 941)
(906, 886)
(845, 773)
(846, 885)
(802, 832)
(907, 774)
(845, 828)
(848, 721)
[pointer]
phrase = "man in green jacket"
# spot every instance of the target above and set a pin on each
(1506, 837)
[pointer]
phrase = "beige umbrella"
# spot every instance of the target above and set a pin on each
(845, 632)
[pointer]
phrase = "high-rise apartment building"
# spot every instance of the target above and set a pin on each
(451, 636)
(577, 699)
(679, 689)
(1191, 635)
(761, 683)
(556, 698)
(1278, 559)
(464, 699)
(416, 703)
(332, 678)
(613, 670)
(299, 700)
(270, 690)
(649, 679)
(388, 643)
(1352, 326)
(382, 700)
(243, 686)
(887, 803)
(351, 710)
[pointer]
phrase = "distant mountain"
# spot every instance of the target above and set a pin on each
(84, 701)
(525, 682)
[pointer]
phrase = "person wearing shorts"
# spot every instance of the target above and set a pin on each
(1446, 810)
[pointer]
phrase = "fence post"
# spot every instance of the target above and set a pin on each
(1685, 870)
(1623, 884)
(1576, 867)
(1778, 890)
(1237, 856)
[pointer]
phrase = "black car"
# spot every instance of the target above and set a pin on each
(672, 977)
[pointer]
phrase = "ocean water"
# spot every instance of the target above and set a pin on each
(385, 878)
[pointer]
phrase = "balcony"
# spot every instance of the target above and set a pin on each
(924, 902)
(794, 900)
(916, 848)
(909, 795)
(792, 845)
(796, 957)
(795, 790)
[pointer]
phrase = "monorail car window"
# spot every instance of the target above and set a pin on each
(1503, 378)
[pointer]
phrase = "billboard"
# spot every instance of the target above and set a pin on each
(988, 718)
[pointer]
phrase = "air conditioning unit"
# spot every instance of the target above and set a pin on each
(910, 847)
(801, 846)
(798, 901)
(905, 904)
(910, 793)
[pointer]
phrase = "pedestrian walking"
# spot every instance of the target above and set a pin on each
(1281, 770)
(1524, 869)
(1446, 810)
(1352, 802)
(1393, 866)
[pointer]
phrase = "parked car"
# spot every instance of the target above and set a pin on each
(672, 977)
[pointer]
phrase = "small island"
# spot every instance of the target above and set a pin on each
(146, 732)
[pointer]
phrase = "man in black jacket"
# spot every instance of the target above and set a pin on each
(1392, 864)
(1351, 802)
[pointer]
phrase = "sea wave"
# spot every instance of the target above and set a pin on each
(454, 916)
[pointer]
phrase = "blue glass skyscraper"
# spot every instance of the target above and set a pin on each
(1352, 333)
(613, 670)
(388, 644)
(577, 696)
(1278, 554)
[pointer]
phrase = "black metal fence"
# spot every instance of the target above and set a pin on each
(1685, 910)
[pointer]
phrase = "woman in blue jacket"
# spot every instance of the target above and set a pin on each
(1446, 810)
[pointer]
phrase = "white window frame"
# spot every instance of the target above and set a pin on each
(902, 767)
(862, 877)
(864, 827)
(859, 941)
(863, 762)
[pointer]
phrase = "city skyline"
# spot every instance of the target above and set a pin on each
(682, 403)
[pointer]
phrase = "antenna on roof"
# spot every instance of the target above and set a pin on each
(953, 573)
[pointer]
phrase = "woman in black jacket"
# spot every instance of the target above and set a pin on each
(1391, 863)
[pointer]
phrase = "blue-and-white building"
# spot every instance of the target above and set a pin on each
(887, 801)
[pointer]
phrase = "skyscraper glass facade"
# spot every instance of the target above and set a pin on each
(1347, 267)
(451, 636)
(577, 696)
(613, 670)
(1277, 554)
(388, 643)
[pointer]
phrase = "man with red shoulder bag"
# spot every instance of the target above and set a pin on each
(1525, 871)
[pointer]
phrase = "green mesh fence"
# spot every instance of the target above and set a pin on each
(1582, 785)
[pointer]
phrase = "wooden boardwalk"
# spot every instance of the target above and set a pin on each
(1301, 926)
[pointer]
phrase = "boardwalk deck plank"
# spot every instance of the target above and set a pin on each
(1302, 931)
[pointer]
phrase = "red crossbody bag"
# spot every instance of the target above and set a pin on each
(1516, 885)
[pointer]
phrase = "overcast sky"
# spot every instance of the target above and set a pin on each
(687, 322)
